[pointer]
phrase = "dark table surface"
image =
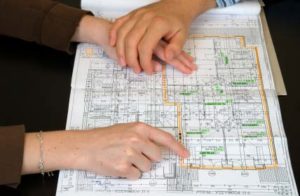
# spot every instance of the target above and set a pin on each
(35, 88)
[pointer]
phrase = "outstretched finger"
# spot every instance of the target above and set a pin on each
(185, 58)
(120, 46)
(131, 43)
(155, 32)
(115, 27)
(175, 62)
(167, 140)
(175, 46)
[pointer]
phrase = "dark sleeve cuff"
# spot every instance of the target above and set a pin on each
(11, 152)
(59, 25)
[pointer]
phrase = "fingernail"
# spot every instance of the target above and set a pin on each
(122, 61)
(137, 71)
(189, 71)
(186, 154)
(157, 67)
(194, 66)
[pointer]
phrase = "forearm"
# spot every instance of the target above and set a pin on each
(192, 8)
(92, 30)
(200, 6)
(56, 149)
(95, 31)
(131, 147)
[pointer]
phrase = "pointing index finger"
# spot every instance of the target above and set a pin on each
(167, 140)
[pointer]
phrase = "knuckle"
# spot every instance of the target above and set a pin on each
(129, 152)
(149, 14)
(134, 140)
(140, 126)
(131, 139)
(123, 169)
(158, 20)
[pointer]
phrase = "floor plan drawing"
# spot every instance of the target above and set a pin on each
(226, 114)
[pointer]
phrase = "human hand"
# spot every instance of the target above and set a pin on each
(123, 150)
(137, 34)
(96, 31)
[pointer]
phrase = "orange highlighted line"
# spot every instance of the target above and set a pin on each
(262, 92)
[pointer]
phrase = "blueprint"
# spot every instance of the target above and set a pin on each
(226, 113)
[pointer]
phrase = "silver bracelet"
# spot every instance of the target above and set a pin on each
(41, 161)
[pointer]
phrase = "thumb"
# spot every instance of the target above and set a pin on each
(175, 46)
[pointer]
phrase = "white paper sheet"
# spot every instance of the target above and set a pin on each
(227, 114)
(117, 8)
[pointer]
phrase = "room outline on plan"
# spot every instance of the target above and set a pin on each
(226, 113)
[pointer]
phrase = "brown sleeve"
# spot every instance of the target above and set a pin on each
(46, 22)
(11, 153)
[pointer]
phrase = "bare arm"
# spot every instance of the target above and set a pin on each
(96, 30)
(137, 34)
(132, 148)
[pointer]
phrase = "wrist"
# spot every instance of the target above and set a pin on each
(31, 154)
(92, 30)
(58, 150)
(201, 6)
(63, 153)
(48, 149)
(73, 151)
(190, 9)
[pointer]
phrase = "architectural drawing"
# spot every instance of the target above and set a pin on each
(226, 114)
